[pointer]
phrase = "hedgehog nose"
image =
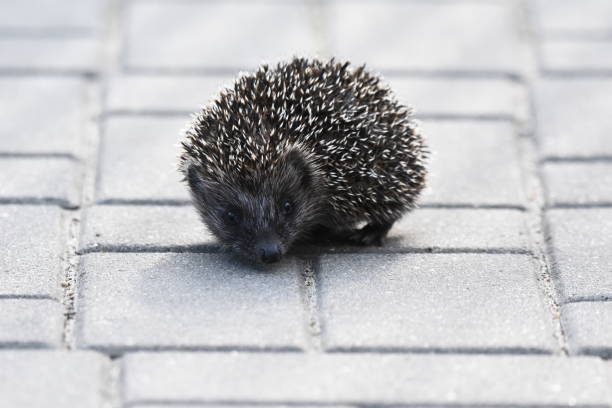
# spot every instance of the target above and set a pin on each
(270, 252)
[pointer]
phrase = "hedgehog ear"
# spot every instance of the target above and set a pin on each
(195, 181)
(295, 160)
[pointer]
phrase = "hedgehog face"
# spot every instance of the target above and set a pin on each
(260, 215)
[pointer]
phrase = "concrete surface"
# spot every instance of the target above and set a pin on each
(495, 293)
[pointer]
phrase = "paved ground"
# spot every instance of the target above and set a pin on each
(497, 292)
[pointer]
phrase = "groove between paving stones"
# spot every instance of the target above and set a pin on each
(48, 72)
(196, 249)
(44, 33)
(309, 288)
(180, 203)
(150, 249)
(474, 206)
(347, 404)
(60, 202)
(72, 219)
(576, 159)
(39, 155)
(69, 269)
(602, 204)
(122, 350)
(578, 73)
(575, 35)
(534, 181)
(34, 297)
(116, 201)
(587, 299)
(441, 350)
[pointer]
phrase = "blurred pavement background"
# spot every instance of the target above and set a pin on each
(496, 292)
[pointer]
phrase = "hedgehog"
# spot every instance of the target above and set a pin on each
(299, 149)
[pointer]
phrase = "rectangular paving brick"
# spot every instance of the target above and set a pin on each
(137, 93)
(206, 405)
(53, 53)
(129, 227)
(47, 115)
(573, 18)
(178, 300)
(57, 379)
(432, 302)
(139, 157)
(576, 56)
(31, 241)
(573, 119)
(457, 229)
(472, 163)
(588, 327)
(40, 179)
(438, 36)
(578, 183)
(134, 227)
(489, 98)
(216, 34)
(461, 97)
(460, 229)
(370, 379)
(31, 323)
(581, 242)
(45, 16)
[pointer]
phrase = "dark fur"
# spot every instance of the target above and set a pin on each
(258, 203)
(330, 141)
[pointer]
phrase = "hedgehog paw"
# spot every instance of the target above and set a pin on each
(371, 234)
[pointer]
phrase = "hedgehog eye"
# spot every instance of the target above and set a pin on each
(232, 216)
(287, 208)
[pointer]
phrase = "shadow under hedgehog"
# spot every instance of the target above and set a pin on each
(304, 146)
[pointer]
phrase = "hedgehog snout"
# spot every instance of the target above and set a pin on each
(269, 252)
(268, 249)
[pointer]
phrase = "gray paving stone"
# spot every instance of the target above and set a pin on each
(578, 183)
(48, 15)
(125, 227)
(588, 327)
(567, 56)
(163, 93)
(371, 379)
(58, 379)
(429, 96)
(131, 301)
(439, 229)
(39, 179)
(571, 18)
(487, 98)
(573, 119)
(460, 229)
(31, 323)
(56, 54)
(30, 242)
(392, 35)
(473, 163)
(139, 157)
(216, 34)
(432, 302)
(581, 242)
(47, 115)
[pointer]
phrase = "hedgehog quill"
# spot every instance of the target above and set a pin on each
(302, 146)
